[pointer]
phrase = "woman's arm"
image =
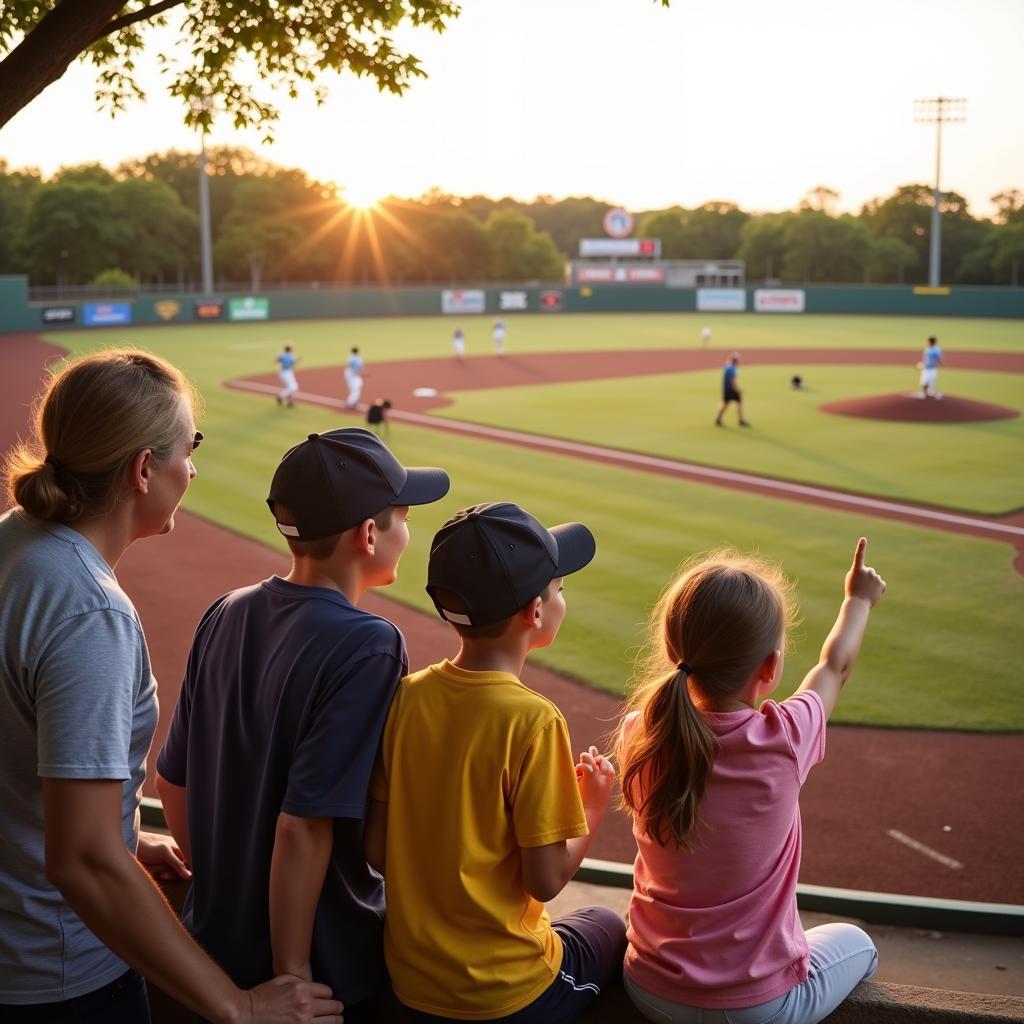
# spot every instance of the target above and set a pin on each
(86, 859)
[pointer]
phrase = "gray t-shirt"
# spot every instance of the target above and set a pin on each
(77, 701)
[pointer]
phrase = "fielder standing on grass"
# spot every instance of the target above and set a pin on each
(354, 378)
(931, 360)
(286, 360)
(731, 390)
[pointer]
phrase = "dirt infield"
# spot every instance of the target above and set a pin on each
(910, 407)
(874, 786)
(397, 381)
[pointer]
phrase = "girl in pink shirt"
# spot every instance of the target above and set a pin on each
(711, 775)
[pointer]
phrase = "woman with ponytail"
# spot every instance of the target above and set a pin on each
(711, 775)
(81, 921)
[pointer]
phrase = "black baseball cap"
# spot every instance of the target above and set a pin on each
(496, 558)
(333, 481)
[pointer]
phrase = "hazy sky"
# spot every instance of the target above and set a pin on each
(626, 101)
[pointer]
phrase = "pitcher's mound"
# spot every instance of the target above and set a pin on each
(909, 407)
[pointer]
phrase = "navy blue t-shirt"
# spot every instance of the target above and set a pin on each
(284, 700)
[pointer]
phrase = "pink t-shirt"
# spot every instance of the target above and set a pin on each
(718, 927)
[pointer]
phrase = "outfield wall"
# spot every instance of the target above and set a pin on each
(17, 313)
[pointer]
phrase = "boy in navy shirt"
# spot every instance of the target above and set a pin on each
(265, 770)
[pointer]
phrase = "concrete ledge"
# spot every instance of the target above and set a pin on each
(874, 1003)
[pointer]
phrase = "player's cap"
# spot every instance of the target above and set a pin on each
(335, 480)
(496, 558)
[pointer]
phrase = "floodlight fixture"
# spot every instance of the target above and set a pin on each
(938, 111)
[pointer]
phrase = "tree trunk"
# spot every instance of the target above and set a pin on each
(47, 51)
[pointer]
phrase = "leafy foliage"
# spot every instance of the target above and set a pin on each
(241, 51)
(279, 225)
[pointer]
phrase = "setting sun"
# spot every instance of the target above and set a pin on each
(361, 197)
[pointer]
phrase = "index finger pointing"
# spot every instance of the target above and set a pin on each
(858, 555)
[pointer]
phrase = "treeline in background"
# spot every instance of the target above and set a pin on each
(137, 226)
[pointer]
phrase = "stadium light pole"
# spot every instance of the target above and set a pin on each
(938, 111)
(205, 245)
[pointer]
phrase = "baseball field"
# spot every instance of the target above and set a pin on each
(944, 647)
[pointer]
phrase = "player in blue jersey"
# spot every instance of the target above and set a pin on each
(931, 360)
(354, 378)
(286, 360)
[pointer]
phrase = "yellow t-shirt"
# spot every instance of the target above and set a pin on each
(473, 766)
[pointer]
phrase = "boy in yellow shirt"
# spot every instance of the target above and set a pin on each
(479, 814)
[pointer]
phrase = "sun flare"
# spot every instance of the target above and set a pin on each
(361, 197)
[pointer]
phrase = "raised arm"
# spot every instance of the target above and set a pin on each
(864, 589)
(547, 869)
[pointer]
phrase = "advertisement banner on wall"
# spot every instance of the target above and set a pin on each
(249, 308)
(167, 309)
(106, 314)
(595, 275)
(620, 248)
(212, 309)
(58, 314)
(510, 302)
(471, 301)
(550, 302)
(642, 275)
(721, 300)
(779, 300)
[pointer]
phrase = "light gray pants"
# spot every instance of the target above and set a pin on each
(841, 955)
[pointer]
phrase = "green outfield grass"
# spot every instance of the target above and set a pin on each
(943, 647)
(228, 350)
(957, 465)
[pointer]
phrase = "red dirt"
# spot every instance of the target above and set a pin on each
(910, 407)
(397, 380)
(873, 780)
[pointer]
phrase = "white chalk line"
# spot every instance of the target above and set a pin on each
(784, 487)
(901, 837)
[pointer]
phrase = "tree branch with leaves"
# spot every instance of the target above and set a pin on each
(279, 44)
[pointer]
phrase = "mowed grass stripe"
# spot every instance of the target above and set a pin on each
(962, 466)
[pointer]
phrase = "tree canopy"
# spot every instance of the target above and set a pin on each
(278, 225)
(280, 44)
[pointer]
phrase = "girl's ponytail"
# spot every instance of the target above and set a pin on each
(666, 760)
(715, 623)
